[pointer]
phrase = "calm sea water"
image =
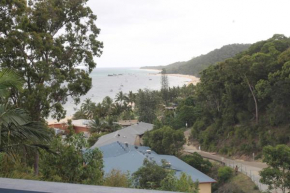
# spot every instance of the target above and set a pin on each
(127, 79)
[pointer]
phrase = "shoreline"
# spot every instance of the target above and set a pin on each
(149, 69)
(193, 79)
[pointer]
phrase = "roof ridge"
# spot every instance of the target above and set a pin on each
(121, 145)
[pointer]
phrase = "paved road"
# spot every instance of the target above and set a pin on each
(250, 168)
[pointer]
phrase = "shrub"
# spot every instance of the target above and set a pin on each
(94, 138)
(224, 174)
(196, 161)
(117, 179)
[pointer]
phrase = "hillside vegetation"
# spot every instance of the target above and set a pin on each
(242, 104)
(198, 64)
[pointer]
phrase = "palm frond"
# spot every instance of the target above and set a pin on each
(9, 79)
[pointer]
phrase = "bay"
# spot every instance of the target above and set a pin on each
(122, 79)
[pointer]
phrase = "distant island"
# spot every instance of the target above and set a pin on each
(200, 63)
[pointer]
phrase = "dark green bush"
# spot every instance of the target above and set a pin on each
(224, 174)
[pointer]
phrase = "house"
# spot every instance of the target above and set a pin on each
(79, 126)
(126, 123)
(126, 157)
(131, 135)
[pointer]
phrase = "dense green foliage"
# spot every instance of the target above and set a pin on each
(45, 41)
(198, 64)
(182, 184)
(94, 138)
(70, 164)
(19, 136)
(117, 179)
(164, 86)
(224, 174)
(150, 175)
(242, 99)
(153, 176)
(196, 161)
(277, 174)
(165, 140)
(147, 103)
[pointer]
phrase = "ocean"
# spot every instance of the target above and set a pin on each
(125, 80)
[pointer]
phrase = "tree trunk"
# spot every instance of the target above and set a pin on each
(255, 100)
(36, 161)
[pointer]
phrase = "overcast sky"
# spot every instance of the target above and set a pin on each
(159, 32)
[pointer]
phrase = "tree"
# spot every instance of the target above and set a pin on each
(196, 161)
(153, 176)
(94, 138)
(185, 115)
(277, 174)
(146, 103)
(131, 98)
(165, 140)
(88, 108)
(18, 134)
(117, 179)
(183, 184)
(45, 42)
(16, 128)
(224, 174)
(164, 85)
(121, 97)
(103, 125)
(70, 163)
(150, 175)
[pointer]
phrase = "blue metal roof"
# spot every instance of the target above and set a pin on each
(126, 157)
(117, 148)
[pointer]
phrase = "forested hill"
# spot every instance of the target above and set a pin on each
(242, 104)
(198, 64)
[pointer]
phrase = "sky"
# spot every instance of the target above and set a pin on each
(139, 33)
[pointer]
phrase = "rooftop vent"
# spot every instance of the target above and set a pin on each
(167, 165)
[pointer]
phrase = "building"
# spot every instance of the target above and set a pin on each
(32, 186)
(126, 123)
(79, 126)
(126, 157)
(131, 135)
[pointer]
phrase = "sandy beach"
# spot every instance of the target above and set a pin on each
(188, 79)
(153, 70)
(193, 79)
